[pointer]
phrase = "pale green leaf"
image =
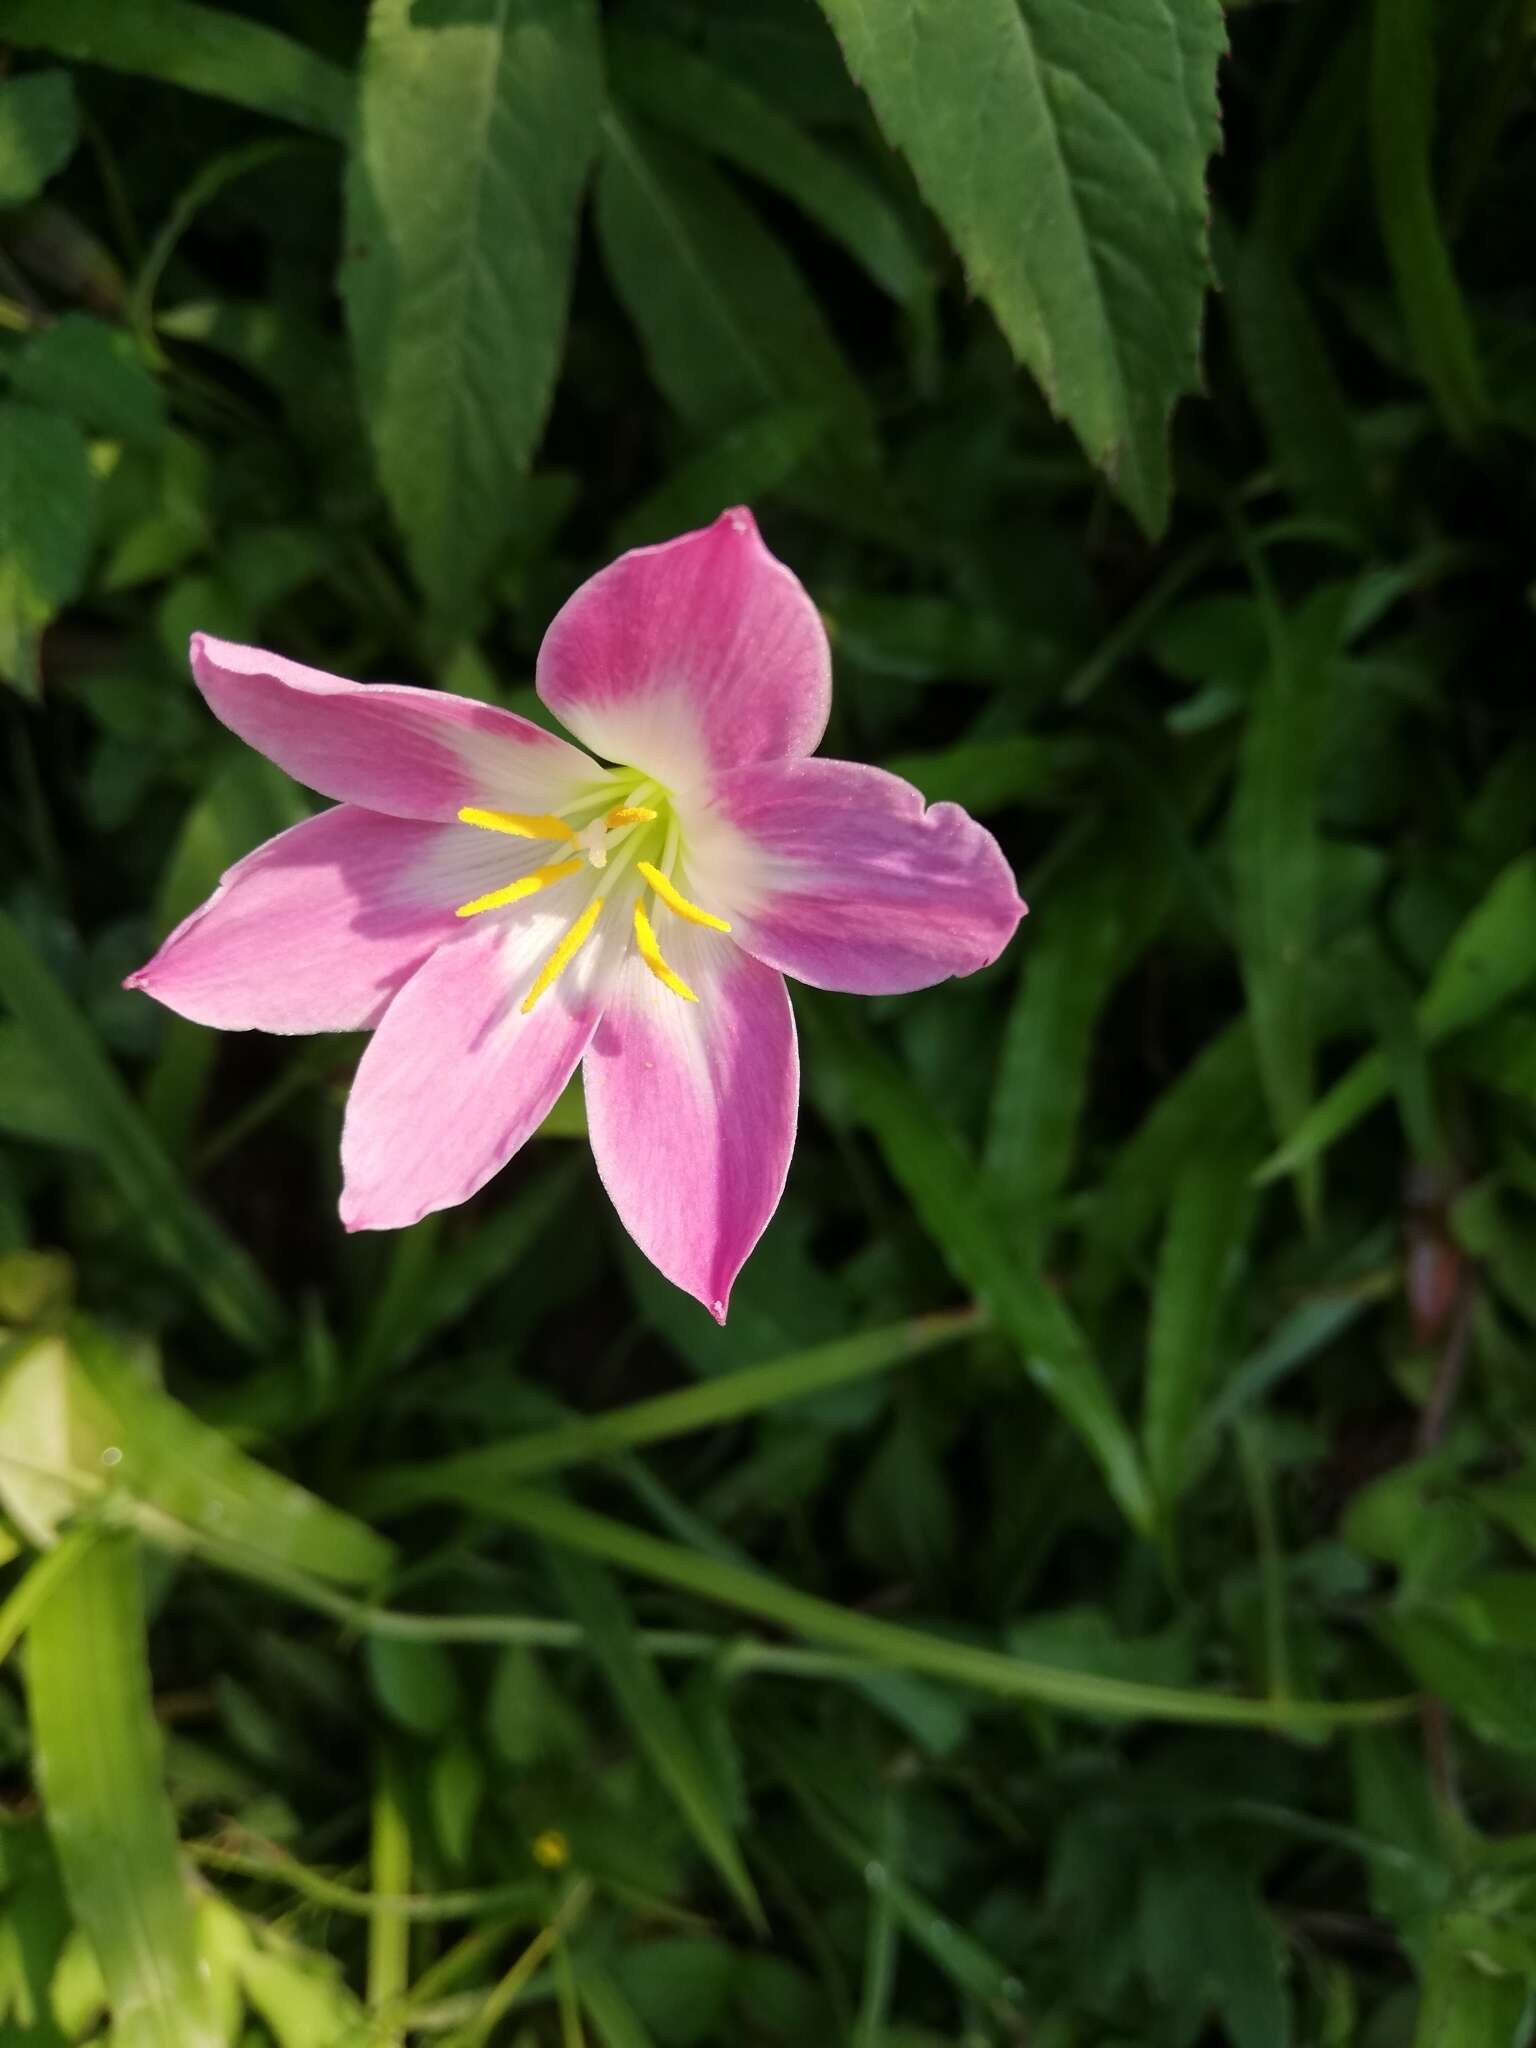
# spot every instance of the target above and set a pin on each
(476, 126)
(99, 1764)
(95, 374)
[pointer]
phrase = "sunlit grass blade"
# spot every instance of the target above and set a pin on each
(611, 2014)
(962, 1212)
(26, 1599)
(986, 1670)
(182, 1234)
(733, 1396)
(98, 1762)
(1491, 958)
(595, 1604)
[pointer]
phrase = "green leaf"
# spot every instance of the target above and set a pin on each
(183, 1235)
(962, 1209)
(416, 1683)
(1208, 1221)
(1064, 150)
(728, 325)
(1276, 848)
(910, 1649)
(1464, 2003)
(801, 1376)
(206, 49)
(476, 127)
(38, 131)
(1492, 1689)
(1402, 153)
(706, 106)
(99, 1765)
(1309, 427)
(594, 1602)
(1491, 957)
(92, 372)
(984, 775)
(738, 466)
(47, 515)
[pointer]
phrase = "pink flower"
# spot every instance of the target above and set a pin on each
(497, 906)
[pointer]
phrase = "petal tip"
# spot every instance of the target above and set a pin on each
(717, 1310)
(738, 519)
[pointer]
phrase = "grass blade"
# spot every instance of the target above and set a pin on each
(181, 1232)
(98, 1760)
(962, 1213)
(1402, 153)
(595, 1604)
(799, 1377)
(986, 1670)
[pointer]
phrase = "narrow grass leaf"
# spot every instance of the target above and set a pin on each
(706, 106)
(963, 1214)
(26, 1598)
(98, 1759)
(212, 1266)
(755, 1390)
(990, 1671)
(1402, 114)
(476, 128)
(1276, 850)
(1491, 957)
(663, 1736)
(1208, 1222)
(207, 49)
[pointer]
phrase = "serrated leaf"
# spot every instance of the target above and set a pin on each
(1063, 147)
(476, 127)
(38, 131)
(206, 49)
(47, 510)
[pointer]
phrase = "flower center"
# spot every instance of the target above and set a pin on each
(635, 843)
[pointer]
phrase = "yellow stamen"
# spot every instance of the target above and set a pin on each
(514, 892)
(629, 814)
(520, 824)
(650, 953)
(564, 953)
(676, 900)
(551, 1850)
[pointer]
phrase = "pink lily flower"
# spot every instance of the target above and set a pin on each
(498, 906)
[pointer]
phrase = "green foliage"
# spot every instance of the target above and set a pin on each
(1087, 1593)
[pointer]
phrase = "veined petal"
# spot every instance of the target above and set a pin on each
(411, 753)
(695, 655)
(691, 1109)
(458, 1076)
(318, 928)
(841, 878)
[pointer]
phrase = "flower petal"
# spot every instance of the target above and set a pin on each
(691, 1108)
(457, 1077)
(318, 928)
(838, 876)
(411, 753)
(698, 654)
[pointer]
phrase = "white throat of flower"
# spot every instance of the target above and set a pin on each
(640, 831)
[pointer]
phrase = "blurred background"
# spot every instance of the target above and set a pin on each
(1084, 1597)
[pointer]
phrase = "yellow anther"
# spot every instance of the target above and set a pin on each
(551, 1851)
(520, 824)
(629, 814)
(676, 900)
(564, 953)
(650, 953)
(514, 892)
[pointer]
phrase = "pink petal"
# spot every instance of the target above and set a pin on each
(411, 753)
(698, 654)
(316, 930)
(456, 1077)
(843, 880)
(691, 1108)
